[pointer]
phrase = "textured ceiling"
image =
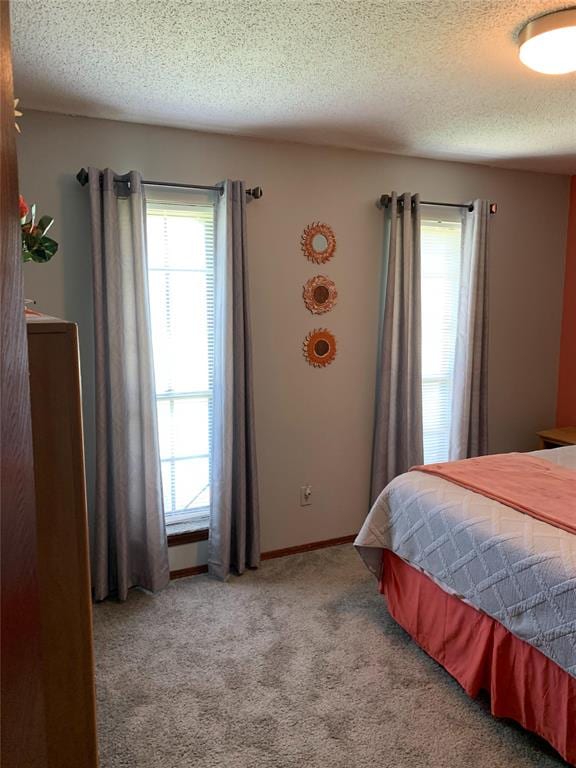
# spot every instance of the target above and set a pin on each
(434, 78)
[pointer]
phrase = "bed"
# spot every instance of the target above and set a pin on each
(486, 590)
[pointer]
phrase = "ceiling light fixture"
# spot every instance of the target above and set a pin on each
(548, 43)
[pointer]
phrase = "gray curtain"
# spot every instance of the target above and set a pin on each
(234, 516)
(398, 441)
(130, 546)
(469, 425)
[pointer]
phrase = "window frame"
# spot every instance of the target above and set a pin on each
(448, 216)
(161, 201)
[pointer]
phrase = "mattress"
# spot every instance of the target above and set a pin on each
(518, 570)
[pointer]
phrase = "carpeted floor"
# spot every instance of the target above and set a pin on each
(297, 664)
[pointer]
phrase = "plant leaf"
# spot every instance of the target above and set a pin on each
(40, 255)
(45, 223)
(49, 245)
(30, 240)
(43, 249)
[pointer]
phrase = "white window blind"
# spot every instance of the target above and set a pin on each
(180, 243)
(440, 254)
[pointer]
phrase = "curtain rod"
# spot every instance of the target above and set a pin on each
(255, 192)
(385, 200)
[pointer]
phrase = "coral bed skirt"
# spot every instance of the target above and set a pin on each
(481, 654)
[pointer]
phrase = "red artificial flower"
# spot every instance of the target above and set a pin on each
(23, 207)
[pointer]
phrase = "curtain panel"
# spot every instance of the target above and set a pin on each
(469, 421)
(398, 441)
(130, 547)
(234, 543)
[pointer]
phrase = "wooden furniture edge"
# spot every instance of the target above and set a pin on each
(195, 570)
(559, 437)
(50, 326)
(557, 434)
(23, 738)
(54, 363)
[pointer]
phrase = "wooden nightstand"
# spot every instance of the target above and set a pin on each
(555, 438)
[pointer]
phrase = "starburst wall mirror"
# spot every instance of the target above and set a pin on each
(320, 294)
(318, 242)
(319, 348)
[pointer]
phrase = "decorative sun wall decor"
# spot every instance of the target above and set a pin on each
(320, 294)
(319, 348)
(17, 114)
(318, 242)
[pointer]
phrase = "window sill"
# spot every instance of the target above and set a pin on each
(176, 538)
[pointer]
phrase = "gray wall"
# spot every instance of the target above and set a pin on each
(315, 426)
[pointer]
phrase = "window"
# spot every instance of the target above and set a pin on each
(440, 258)
(180, 243)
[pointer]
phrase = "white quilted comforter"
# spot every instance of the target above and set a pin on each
(516, 569)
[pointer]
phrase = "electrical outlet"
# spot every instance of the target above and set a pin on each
(305, 495)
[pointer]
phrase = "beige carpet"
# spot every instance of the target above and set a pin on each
(297, 664)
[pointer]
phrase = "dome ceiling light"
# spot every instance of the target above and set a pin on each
(548, 43)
